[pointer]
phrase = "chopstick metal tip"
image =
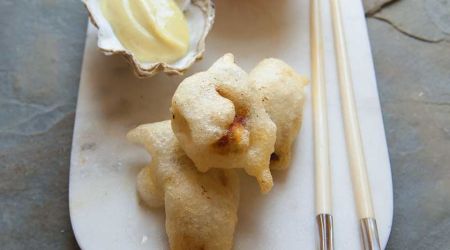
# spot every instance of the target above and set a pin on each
(325, 231)
(369, 234)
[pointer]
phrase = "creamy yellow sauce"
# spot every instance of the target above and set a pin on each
(153, 30)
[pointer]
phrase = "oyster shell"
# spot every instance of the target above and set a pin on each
(199, 15)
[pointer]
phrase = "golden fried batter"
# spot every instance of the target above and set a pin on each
(281, 90)
(201, 208)
(220, 121)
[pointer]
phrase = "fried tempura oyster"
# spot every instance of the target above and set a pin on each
(201, 208)
(282, 92)
(220, 122)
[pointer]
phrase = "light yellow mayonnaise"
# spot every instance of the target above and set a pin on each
(153, 30)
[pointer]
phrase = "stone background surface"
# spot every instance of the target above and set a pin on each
(41, 47)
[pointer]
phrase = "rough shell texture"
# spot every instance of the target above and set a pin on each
(200, 15)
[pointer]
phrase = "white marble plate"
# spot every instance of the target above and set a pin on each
(104, 207)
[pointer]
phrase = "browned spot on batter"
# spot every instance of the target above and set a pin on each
(236, 129)
(234, 132)
(223, 141)
(274, 157)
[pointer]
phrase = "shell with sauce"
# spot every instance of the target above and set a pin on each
(199, 15)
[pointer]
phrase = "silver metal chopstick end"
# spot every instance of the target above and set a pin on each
(325, 227)
(369, 233)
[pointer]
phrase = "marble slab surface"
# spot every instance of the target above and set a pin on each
(103, 204)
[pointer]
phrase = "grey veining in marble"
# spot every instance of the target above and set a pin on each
(41, 44)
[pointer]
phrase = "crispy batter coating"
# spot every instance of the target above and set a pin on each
(201, 208)
(282, 92)
(220, 121)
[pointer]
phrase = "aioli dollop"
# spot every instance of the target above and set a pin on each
(152, 30)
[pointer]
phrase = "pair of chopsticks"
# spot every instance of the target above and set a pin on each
(357, 162)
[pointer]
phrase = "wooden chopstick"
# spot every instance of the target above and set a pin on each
(323, 201)
(357, 161)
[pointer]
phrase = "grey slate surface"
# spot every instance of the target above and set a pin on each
(411, 48)
(41, 46)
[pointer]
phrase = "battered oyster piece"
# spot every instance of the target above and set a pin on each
(201, 208)
(282, 92)
(220, 122)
